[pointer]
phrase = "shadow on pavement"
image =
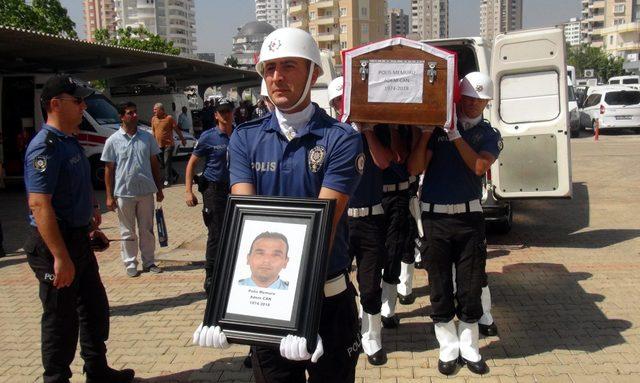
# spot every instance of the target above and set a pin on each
(557, 223)
(538, 307)
(225, 369)
(157, 304)
(12, 259)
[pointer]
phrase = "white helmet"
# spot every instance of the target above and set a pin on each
(335, 88)
(289, 42)
(263, 89)
(477, 85)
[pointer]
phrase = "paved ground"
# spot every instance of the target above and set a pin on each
(564, 281)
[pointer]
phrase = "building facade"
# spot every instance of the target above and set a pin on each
(173, 20)
(248, 41)
(339, 24)
(499, 16)
(430, 18)
(272, 12)
(397, 23)
(572, 31)
(98, 14)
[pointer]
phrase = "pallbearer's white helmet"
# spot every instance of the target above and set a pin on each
(289, 42)
(477, 85)
(263, 89)
(335, 88)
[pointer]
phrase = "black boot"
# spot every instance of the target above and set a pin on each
(110, 376)
(448, 368)
(480, 367)
(247, 360)
(379, 358)
(488, 330)
(390, 322)
(406, 299)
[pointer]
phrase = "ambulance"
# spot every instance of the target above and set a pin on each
(530, 109)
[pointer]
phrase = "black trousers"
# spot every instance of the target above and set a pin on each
(214, 201)
(398, 237)
(82, 307)
(340, 335)
(366, 245)
(459, 240)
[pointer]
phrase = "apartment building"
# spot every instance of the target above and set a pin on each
(272, 12)
(98, 14)
(339, 24)
(572, 31)
(397, 23)
(499, 16)
(173, 20)
(430, 18)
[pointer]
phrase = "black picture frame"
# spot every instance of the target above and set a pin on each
(242, 322)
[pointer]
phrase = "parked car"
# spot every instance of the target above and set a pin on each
(633, 81)
(614, 107)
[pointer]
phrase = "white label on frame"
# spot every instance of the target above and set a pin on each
(396, 81)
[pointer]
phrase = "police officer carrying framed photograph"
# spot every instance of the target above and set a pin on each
(367, 231)
(214, 181)
(300, 151)
(455, 162)
(62, 213)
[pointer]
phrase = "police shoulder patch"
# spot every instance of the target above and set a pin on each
(40, 163)
(316, 158)
(360, 163)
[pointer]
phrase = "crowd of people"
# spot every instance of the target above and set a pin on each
(404, 196)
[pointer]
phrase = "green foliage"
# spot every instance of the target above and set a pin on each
(138, 38)
(48, 16)
(586, 57)
(231, 61)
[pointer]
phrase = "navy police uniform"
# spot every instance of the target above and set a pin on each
(55, 164)
(323, 154)
(455, 235)
(214, 186)
(367, 233)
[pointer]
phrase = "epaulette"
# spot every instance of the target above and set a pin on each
(254, 123)
(51, 140)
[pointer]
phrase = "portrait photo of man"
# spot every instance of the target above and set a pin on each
(267, 257)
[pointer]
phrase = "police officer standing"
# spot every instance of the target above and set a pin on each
(58, 184)
(455, 162)
(367, 231)
(299, 151)
(214, 182)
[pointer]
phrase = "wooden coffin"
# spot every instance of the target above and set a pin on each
(399, 81)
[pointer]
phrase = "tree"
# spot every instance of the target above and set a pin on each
(138, 38)
(586, 57)
(48, 16)
(231, 61)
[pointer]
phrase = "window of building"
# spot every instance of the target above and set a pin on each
(364, 28)
(619, 8)
(364, 12)
(343, 28)
(343, 45)
(343, 12)
(312, 15)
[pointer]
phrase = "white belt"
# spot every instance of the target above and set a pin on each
(356, 212)
(456, 208)
(412, 179)
(395, 187)
(335, 286)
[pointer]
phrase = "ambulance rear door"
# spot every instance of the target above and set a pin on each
(530, 110)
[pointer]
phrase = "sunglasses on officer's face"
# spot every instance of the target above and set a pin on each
(75, 100)
(131, 112)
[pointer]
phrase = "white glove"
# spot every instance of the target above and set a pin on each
(361, 126)
(426, 128)
(295, 348)
(213, 336)
(453, 134)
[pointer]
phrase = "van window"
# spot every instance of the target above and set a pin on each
(529, 97)
(102, 110)
(614, 81)
(592, 100)
(630, 81)
(622, 98)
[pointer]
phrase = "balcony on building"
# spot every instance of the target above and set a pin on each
(297, 7)
(326, 20)
(328, 36)
(326, 4)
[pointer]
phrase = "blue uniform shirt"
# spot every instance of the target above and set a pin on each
(325, 153)
(132, 158)
(279, 284)
(212, 145)
(448, 180)
(55, 164)
(369, 191)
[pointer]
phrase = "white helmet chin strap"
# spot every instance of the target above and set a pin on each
(304, 94)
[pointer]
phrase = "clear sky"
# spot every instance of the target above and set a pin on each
(217, 20)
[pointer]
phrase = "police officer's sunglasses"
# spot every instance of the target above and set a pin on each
(76, 100)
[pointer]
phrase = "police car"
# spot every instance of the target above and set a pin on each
(531, 111)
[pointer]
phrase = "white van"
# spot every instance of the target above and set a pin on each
(21, 118)
(633, 81)
(530, 109)
(613, 107)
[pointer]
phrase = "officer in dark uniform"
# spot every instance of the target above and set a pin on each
(299, 151)
(58, 183)
(455, 162)
(214, 182)
(367, 231)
